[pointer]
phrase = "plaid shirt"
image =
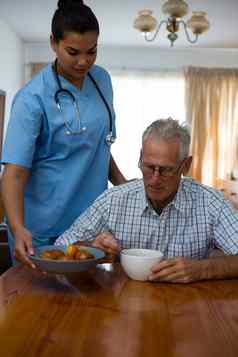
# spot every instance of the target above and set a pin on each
(197, 220)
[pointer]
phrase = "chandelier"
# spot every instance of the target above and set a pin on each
(176, 10)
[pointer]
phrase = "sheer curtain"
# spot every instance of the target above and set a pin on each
(139, 99)
(212, 110)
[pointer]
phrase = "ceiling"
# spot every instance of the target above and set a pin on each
(31, 19)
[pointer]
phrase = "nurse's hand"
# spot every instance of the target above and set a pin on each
(23, 246)
(107, 242)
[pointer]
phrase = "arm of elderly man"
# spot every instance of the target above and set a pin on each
(217, 266)
(93, 223)
(185, 270)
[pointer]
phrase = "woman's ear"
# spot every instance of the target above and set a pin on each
(187, 165)
(53, 43)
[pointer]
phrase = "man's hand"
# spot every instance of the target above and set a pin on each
(23, 246)
(107, 242)
(178, 270)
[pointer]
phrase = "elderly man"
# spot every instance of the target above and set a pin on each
(165, 211)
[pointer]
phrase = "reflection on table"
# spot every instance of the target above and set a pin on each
(102, 313)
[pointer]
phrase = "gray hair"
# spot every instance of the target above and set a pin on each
(170, 129)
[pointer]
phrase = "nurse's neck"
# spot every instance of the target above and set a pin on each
(77, 82)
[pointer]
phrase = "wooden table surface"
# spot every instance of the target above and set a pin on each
(104, 314)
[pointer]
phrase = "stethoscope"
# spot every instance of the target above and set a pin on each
(110, 138)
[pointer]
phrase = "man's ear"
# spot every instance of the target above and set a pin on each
(140, 158)
(187, 165)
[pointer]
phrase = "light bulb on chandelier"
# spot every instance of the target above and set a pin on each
(176, 9)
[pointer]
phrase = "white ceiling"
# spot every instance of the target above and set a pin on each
(31, 20)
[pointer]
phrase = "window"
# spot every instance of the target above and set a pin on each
(139, 99)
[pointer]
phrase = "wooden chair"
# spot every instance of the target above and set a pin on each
(229, 189)
(5, 258)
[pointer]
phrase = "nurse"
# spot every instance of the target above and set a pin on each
(57, 148)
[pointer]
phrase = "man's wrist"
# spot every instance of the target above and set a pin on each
(216, 268)
(206, 267)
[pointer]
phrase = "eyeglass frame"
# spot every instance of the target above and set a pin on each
(153, 168)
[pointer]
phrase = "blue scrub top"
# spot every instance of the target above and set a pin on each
(67, 173)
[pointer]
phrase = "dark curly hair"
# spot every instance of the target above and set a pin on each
(73, 16)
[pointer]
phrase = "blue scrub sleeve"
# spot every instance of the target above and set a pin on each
(22, 132)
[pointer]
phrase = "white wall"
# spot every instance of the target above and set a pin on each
(171, 58)
(145, 57)
(16, 56)
(11, 64)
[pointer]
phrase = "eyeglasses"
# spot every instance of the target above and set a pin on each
(165, 171)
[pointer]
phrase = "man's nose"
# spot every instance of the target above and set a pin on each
(156, 172)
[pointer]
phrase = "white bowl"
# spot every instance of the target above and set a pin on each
(137, 263)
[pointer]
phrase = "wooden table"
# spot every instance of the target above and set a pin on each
(104, 314)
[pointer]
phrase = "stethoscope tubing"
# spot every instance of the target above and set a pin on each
(110, 139)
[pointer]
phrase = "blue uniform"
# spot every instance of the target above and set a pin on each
(67, 173)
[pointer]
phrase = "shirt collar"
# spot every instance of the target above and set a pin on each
(144, 203)
(182, 201)
(143, 198)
